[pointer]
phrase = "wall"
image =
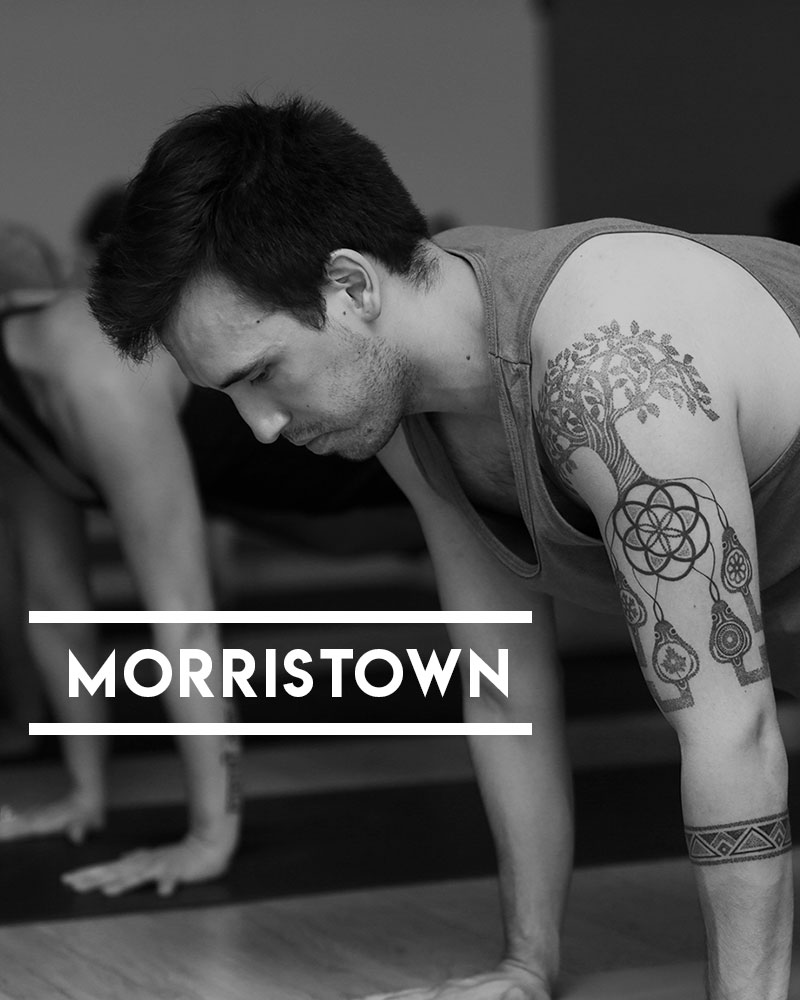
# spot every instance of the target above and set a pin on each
(454, 90)
(681, 112)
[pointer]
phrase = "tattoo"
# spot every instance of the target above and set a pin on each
(231, 760)
(748, 840)
(591, 385)
(660, 528)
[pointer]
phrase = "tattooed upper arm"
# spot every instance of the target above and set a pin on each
(676, 521)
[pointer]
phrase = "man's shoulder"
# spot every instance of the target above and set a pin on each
(648, 275)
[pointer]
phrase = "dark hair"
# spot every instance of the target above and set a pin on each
(261, 195)
(101, 215)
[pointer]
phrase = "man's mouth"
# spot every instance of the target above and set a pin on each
(316, 444)
(301, 441)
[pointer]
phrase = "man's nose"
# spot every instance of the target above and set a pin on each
(264, 420)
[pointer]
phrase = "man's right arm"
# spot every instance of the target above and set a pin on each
(524, 780)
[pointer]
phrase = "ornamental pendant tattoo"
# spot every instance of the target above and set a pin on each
(674, 662)
(663, 528)
(737, 572)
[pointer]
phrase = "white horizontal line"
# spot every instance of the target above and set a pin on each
(276, 617)
(280, 729)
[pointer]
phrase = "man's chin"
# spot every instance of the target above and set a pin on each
(353, 447)
(358, 451)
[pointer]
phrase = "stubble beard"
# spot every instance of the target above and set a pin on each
(385, 396)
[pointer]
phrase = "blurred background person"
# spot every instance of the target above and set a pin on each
(83, 430)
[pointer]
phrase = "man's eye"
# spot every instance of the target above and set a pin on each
(262, 376)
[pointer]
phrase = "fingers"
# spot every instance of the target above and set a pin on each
(488, 986)
(409, 995)
(67, 817)
(77, 830)
(168, 867)
(115, 877)
(403, 995)
(417, 993)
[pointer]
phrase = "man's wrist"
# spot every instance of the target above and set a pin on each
(219, 832)
(537, 982)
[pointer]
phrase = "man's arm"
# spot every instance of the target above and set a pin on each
(48, 530)
(524, 780)
(128, 436)
(634, 431)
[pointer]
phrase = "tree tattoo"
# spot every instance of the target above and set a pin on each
(660, 528)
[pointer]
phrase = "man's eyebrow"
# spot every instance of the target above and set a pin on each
(237, 375)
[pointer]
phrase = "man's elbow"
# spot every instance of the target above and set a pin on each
(757, 739)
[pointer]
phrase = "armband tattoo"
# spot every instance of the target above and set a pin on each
(748, 840)
(660, 530)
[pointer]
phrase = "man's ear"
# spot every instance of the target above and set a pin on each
(352, 274)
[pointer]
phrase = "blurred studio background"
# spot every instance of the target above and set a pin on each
(504, 112)
(513, 112)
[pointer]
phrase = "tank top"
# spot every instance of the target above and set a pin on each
(549, 550)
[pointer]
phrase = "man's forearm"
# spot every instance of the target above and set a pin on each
(742, 859)
(211, 763)
(526, 786)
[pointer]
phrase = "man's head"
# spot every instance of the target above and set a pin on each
(341, 389)
(257, 195)
(254, 243)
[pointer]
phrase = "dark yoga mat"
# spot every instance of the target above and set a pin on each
(343, 840)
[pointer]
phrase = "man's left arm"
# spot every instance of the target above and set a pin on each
(633, 430)
(132, 441)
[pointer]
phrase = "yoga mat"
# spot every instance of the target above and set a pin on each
(344, 840)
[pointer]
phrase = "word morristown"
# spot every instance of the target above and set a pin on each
(195, 666)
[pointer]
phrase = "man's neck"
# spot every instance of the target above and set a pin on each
(443, 330)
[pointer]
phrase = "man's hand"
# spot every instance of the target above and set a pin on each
(508, 982)
(72, 816)
(192, 859)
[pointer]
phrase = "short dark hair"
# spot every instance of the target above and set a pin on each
(260, 195)
(101, 215)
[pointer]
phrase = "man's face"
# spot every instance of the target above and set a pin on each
(339, 389)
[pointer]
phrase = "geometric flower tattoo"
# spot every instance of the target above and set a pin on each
(662, 527)
(750, 840)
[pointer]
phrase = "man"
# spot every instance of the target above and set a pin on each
(79, 429)
(605, 411)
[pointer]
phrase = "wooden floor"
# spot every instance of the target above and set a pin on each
(632, 932)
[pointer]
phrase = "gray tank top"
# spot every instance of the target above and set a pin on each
(554, 551)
